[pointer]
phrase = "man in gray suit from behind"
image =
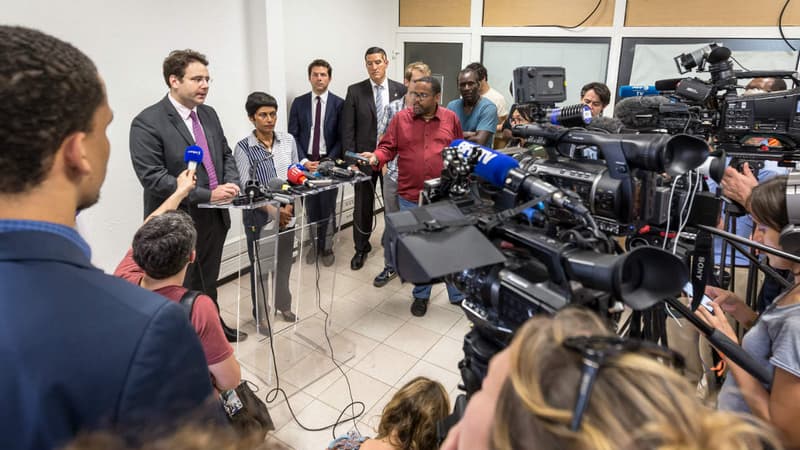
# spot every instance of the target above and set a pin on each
(158, 140)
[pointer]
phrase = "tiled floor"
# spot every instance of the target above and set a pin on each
(378, 344)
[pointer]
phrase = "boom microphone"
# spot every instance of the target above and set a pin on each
(193, 155)
(639, 112)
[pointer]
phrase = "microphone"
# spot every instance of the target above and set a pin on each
(329, 169)
(297, 177)
(503, 171)
(492, 166)
(718, 54)
(607, 124)
(668, 84)
(276, 188)
(638, 91)
(193, 155)
(640, 112)
(278, 185)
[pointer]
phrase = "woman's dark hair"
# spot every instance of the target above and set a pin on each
(258, 100)
(768, 203)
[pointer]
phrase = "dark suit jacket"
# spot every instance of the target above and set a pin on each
(158, 140)
(359, 121)
(80, 349)
(300, 125)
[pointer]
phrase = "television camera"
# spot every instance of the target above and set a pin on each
(752, 128)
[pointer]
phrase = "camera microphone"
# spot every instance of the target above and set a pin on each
(503, 171)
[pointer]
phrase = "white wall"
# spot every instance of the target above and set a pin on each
(251, 45)
(338, 32)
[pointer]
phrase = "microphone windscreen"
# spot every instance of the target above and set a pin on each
(295, 175)
(326, 166)
(607, 124)
(670, 84)
(639, 112)
(276, 184)
(718, 55)
(492, 166)
(193, 153)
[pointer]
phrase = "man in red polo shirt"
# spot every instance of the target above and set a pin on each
(161, 252)
(417, 136)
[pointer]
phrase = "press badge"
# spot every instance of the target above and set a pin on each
(231, 402)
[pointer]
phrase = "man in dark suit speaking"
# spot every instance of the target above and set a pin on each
(79, 350)
(159, 137)
(314, 124)
(364, 105)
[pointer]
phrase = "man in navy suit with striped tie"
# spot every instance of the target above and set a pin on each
(314, 123)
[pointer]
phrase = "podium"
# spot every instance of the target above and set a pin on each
(279, 278)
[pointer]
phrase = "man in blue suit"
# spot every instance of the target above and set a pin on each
(80, 350)
(314, 123)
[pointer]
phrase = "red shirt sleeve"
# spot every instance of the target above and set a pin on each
(205, 320)
(128, 270)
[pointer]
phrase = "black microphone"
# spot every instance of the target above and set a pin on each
(668, 84)
(275, 191)
(607, 124)
(640, 112)
(718, 55)
(329, 169)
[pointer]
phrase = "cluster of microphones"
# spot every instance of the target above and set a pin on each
(298, 178)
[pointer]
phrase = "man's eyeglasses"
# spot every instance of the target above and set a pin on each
(199, 80)
(596, 350)
(420, 95)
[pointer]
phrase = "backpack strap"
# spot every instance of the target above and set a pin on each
(187, 301)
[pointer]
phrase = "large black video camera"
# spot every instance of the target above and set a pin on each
(513, 260)
(756, 127)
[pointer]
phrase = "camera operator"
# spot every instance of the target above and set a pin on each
(737, 186)
(774, 338)
(596, 96)
(417, 136)
(530, 394)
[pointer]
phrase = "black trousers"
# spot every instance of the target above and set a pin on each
(363, 211)
(321, 210)
(211, 231)
(261, 273)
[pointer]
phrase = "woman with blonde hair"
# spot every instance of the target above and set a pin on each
(408, 421)
(567, 382)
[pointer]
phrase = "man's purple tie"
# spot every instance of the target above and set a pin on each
(200, 140)
(315, 139)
